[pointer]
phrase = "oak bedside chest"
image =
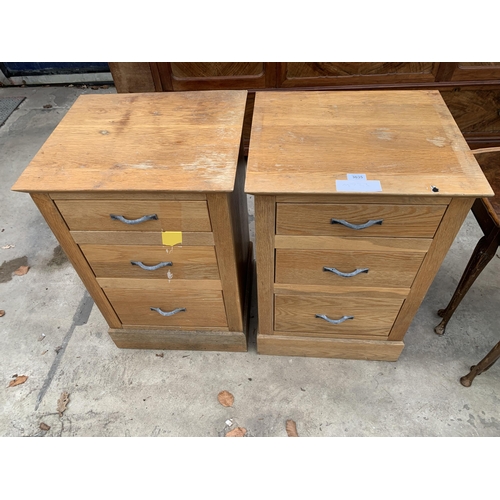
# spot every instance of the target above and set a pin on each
(144, 192)
(358, 197)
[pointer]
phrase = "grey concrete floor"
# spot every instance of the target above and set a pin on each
(117, 392)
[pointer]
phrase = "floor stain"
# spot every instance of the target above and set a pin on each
(9, 266)
(492, 423)
(59, 257)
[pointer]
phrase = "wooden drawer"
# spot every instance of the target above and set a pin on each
(383, 269)
(203, 308)
(185, 263)
(373, 315)
(95, 215)
(418, 221)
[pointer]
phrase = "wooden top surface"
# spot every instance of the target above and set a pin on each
(302, 142)
(182, 141)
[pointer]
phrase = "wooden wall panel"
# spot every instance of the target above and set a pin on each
(132, 76)
(475, 110)
(475, 106)
(310, 74)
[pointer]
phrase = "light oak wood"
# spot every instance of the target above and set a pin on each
(301, 145)
(329, 348)
(132, 76)
(486, 150)
(408, 132)
(343, 335)
(448, 229)
(197, 341)
(183, 329)
(372, 316)
(410, 245)
(139, 238)
(389, 269)
(264, 259)
(418, 221)
(160, 286)
(227, 259)
(203, 307)
(94, 215)
(57, 225)
(96, 195)
(238, 211)
(158, 142)
(167, 156)
(359, 291)
(380, 198)
(187, 263)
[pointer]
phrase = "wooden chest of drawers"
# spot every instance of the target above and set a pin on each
(358, 197)
(145, 194)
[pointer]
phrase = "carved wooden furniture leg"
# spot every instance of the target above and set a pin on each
(483, 253)
(482, 366)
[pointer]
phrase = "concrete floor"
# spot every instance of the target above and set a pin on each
(117, 392)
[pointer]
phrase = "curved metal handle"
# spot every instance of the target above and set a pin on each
(168, 313)
(334, 321)
(150, 268)
(144, 218)
(357, 226)
(346, 275)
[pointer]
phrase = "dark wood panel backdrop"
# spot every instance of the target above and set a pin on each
(471, 90)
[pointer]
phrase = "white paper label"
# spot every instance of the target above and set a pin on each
(357, 183)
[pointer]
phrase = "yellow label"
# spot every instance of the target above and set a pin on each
(171, 238)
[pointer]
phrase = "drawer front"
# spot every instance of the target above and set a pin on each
(417, 221)
(152, 262)
(347, 268)
(201, 308)
(95, 215)
(370, 315)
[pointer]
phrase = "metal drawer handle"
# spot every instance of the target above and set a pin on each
(334, 321)
(150, 268)
(144, 218)
(168, 313)
(357, 226)
(345, 275)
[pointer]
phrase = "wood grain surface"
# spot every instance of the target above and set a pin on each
(94, 215)
(372, 315)
(349, 244)
(203, 307)
(138, 238)
(360, 198)
(489, 159)
(264, 260)
(187, 262)
(227, 259)
(475, 110)
(389, 269)
(57, 225)
(344, 291)
(159, 286)
(132, 76)
(130, 338)
(302, 142)
(446, 233)
(278, 345)
(418, 221)
(171, 142)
